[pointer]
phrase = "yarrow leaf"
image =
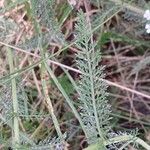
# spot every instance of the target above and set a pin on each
(94, 106)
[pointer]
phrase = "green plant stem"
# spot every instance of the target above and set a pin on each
(93, 95)
(49, 104)
(118, 139)
(15, 135)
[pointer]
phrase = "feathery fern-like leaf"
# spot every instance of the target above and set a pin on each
(95, 109)
(51, 144)
(6, 104)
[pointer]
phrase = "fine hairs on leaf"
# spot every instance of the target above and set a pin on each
(94, 106)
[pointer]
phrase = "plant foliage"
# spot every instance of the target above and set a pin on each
(6, 108)
(44, 11)
(94, 109)
(94, 106)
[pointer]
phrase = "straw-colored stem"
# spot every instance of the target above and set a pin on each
(49, 103)
(15, 134)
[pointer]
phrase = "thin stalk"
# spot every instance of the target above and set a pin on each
(15, 135)
(49, 104)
